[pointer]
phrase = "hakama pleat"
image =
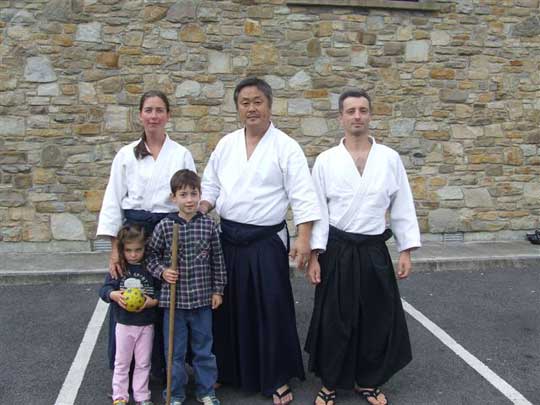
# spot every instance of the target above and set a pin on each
(255, 338)
(358, 332)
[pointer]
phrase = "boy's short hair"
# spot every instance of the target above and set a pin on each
(183, 178)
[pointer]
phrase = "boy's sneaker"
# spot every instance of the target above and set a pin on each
(209, 400)
(147, 402)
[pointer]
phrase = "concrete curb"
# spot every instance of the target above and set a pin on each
(52, 276)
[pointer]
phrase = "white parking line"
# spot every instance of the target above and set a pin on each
(506, 389)
(72, 383)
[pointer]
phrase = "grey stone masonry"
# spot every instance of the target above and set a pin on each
(455, 88)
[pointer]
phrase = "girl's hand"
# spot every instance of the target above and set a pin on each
(118, 297)
(149, 302)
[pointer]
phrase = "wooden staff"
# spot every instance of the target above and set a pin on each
(172, 307)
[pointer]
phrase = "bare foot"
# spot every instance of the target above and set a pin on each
(321, 400)
(376, 397)
(280, 398)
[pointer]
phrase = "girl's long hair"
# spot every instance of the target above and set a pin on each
(140, 149)
(128, 234)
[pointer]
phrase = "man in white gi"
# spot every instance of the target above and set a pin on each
(358, 336)
(252, 177)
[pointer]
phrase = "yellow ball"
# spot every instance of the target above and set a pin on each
(134, 299)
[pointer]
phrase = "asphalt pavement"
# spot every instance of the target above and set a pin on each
(486, 296)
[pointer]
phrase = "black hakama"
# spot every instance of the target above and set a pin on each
(358, 333)
(255, 338)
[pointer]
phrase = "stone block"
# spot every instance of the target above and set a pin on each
(417, 51)
(21, 214)
(442, 74)
(87, 93)
(529, 27)
(513, 156)
(9, 198)
(393, 48)
(299, 106)
(210, 124)
(404, 33)
(193, 111)
(260, 12)
(325, 29)
(39, 69)
(192, 33)
(219, 62)
(188, 88)
(443, 220)
(440, 38)
(478, 198)
(88, 129)
(300, 81)
(48, 89)
(93, 200)
(453, 96)
(450, 193)
(252, 27)
(116, 118)
(182, 11)
(264, 54)
(11, 126)
(279, 106)
(67, 227)
(316, 93)
(51, 156)
(402, 127)
(110, 85)
(154, 13)
(42, 176)
(90, 32)
(314, 126)
(62, 40)
(276, 82)
(359, 58)
(36, 232)
(314, 48)
(213, 90)
(151, 60)
(108, 59)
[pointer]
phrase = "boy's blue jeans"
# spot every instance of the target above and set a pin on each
(199, 321)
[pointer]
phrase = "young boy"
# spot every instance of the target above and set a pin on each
(200, 280)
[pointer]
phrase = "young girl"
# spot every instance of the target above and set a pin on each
(134, 330)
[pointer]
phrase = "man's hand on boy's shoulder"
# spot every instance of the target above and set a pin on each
(217, 300)
(170, 275)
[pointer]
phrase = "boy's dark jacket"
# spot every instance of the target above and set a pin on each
(150, 285)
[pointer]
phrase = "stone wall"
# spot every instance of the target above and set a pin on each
(455, 91)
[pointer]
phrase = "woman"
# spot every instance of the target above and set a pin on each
(138, 190)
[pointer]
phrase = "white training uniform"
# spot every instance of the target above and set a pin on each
(358, 203)
(258, 191)
(141, 184)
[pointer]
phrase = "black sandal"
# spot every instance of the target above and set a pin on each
(283, 394)
(370, 393)
(331, 396)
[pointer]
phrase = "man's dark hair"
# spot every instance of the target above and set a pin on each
(254, 81)
(356, 93)
(183, 178)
